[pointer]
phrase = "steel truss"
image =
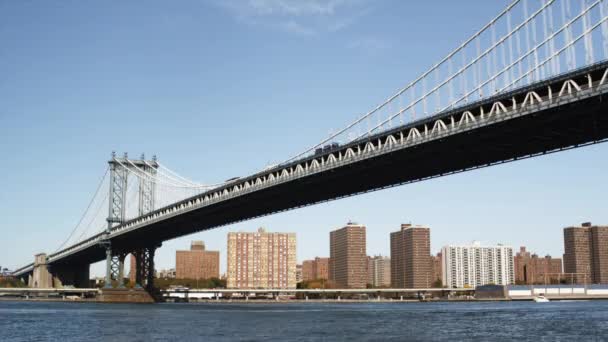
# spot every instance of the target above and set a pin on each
(119, 175)
(144, 269)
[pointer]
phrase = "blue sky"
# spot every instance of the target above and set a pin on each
(218, 89)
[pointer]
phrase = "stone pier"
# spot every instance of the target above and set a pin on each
(41, 277)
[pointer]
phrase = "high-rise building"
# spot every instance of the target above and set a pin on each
(475, 265)
(410, 257)
(379, 271)
(261, 260)
(586, 253)
(321, 268)
(348, 259)
(315, 269)
(530, 269)
(308, 270)
(369, 270)
(436, 269)
(197, 263)
(299, 273)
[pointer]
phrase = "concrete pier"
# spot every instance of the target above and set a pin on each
(41, 277)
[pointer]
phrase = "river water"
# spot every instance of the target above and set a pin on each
(481, 321)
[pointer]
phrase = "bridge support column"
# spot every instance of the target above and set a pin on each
(41, 277)
(115, 266)
(108, 282)
(121, 270)
(144, 270)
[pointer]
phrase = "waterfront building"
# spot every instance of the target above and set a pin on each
(436, 268)
(379, 271)
(318, 268)
(261, 260)
(410, 257)
(299, 273)
(475, 265)
(368, 270)
(308, 270)
(197, 263)
(530, 269)
(348, 259)
(586, 253)
(167, 274)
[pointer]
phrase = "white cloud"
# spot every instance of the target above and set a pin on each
(369, 44)
(294, 27)
(301, 17)
(295, 7)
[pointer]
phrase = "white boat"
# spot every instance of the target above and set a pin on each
(541, 299)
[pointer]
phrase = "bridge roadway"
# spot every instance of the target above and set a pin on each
(564, 112)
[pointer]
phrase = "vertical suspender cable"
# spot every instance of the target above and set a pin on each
(603, 13)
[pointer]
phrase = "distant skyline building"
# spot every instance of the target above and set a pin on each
(411, 257)
(166, 274)
(261, 260)
(379, 271)
(586, 253)
(530, 269)
(299, 273)
(475, 265)
(197, 263)
(348, 258)
(307, 270)
(318, 268)
(436, 267)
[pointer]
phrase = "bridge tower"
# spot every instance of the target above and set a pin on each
(120, 168)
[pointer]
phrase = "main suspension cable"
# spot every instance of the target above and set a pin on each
(86, 210)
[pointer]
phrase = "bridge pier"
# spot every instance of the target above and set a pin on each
(41, 277)
(114, 290)
(144, 269)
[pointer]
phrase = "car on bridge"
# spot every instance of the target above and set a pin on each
(326, 148)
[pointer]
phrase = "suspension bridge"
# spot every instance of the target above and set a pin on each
(532, 81)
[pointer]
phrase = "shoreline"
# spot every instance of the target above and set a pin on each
(303, 301)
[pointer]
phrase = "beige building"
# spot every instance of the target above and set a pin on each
(379, 271)
(197, 263)
(348, 259)
(586, 253)
(318, 268)
(411, 265)
(261, 260)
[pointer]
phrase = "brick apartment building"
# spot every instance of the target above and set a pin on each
(348, 258)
